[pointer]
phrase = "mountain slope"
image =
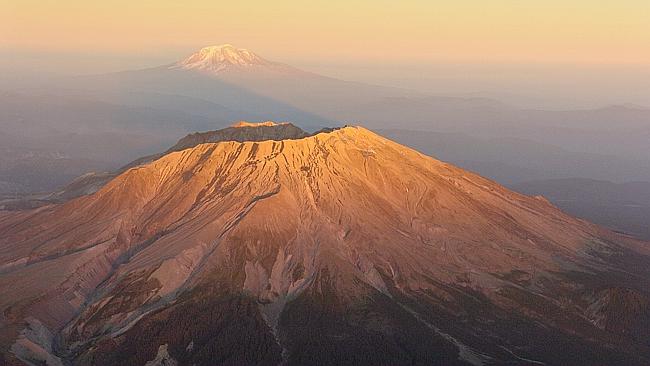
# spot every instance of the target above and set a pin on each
(338, 248)
(92, 182)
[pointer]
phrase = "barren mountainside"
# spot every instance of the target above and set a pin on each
(337, 248)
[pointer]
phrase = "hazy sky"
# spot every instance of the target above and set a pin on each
(602, 31)
(92, 36)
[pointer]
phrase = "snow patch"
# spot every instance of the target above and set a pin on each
(162, 358)
(216, 59)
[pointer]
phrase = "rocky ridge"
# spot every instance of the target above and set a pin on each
(340, 247)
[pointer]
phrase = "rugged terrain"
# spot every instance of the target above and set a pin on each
(341, 247)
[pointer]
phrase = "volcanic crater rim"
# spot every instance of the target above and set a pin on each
(326, 130)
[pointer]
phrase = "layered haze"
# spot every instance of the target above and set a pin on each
(324, 183)
(551, 54)
(58, 128)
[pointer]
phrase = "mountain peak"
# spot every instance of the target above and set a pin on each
(257, 124)
(219, 58)
(343, 224)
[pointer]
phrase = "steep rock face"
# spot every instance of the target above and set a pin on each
(337, 248)
(243, 131)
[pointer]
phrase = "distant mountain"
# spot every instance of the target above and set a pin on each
(240, 80)
(620, 206)
(226, 58)
(337, 248)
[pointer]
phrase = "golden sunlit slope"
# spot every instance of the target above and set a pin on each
(338, 220)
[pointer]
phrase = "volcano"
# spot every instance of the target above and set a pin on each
(336, 248)
(227, 58)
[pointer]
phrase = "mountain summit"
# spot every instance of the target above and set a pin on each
(337, 248)
(217, 59)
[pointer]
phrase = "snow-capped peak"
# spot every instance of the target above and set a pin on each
(218, 58)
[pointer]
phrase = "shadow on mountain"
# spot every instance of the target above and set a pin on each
(201, 87)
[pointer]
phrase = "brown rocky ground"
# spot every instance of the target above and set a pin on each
(337, 248)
